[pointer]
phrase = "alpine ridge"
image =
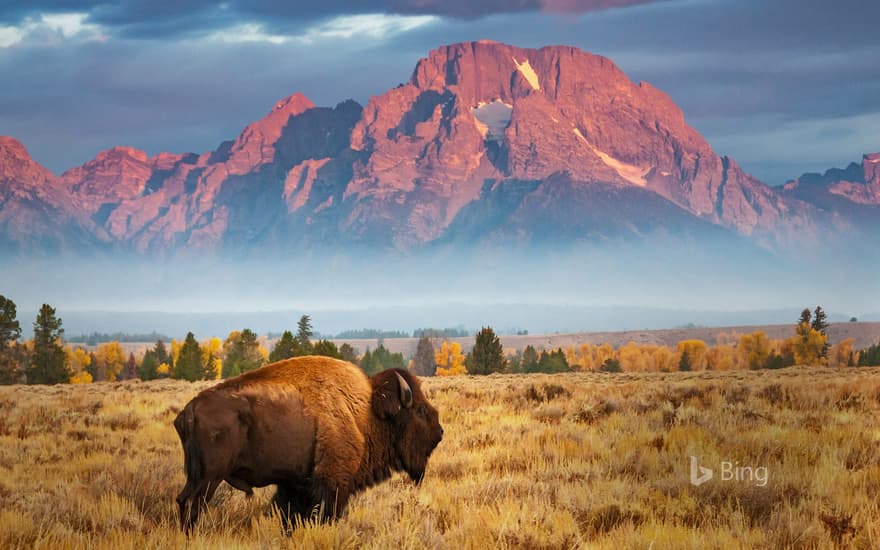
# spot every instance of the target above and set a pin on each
(486, 144)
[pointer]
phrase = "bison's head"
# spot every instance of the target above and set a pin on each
(415, 425)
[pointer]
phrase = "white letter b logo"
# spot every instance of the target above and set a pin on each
(699, 474)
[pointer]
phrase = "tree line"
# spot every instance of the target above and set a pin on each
(48, 359)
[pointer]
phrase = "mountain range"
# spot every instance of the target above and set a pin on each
(487, 145)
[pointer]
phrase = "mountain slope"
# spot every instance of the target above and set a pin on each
(486, 144)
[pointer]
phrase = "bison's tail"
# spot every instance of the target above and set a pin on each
(192, 455)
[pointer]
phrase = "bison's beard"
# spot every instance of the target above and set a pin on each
(414, 464)
(416, 475)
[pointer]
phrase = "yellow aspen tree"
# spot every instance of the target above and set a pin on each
(696, 353)
(585, 357)
(212, 350)
(842, 353)
(76, 360)
(450, 360)
(664, 359)
(113, 358)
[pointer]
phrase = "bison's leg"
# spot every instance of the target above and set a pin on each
(193, 499)
(339, 447)
(329, 498)
(293, 500)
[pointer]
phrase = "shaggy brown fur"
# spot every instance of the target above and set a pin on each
(316, 427)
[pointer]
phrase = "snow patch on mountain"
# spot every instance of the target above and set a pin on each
(528, 73)
(492, 118)
(630, 173)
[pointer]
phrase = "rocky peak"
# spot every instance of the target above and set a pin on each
(255, 145)
(858, 183)
(17, 166)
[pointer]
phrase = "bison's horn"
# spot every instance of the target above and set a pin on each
(405, 391)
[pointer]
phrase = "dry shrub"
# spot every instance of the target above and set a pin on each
(757, 504)
(600, 520)
(736, 394)
(597, 412)
(774, 394)
(546, 393)
(850, 398)
(863, 453)
(551, 414)
(840, 527)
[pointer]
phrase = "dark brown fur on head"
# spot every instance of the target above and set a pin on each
(416, 429)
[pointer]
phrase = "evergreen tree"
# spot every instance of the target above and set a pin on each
(381, 359)
(130, 371)
(366, 362)
(870, 356)
(189, 365)
(820, 320)
(241, 353)
(487, 356)
(529, 360)
(286, 347)
(684, 364)
(304, 333)
(47, 361)
(610, 365)
(148, 369)
(553, 362)
(10, 331)
(93, 367)
(820, 325)
(347, 353)
(327, 349)
(423, 362)
(161, 352)
(806, 317)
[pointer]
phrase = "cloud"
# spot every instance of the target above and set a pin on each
(472, 9)
(374, 25)
(145, 19)
(54, 28)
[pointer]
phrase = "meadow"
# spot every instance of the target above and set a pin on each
(576, 460)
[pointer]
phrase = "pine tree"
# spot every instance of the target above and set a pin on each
(148, 369)
(529, 360)
(327, 349)
(553, 362)
(189, 365)
(487, 355)
(820, 325)
(806, 317)
(286, 347)
(47, 360)
(366, 362)
(10, 331)
(304, 333)
(161, 352)
(130, 372)
(610, 365)
(241, 353)
(684, 364)
(423, 362)
(348, 353)
(820, 320)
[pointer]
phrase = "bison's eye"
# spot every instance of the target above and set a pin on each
(421, 410)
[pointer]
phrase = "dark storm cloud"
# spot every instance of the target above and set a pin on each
(150, 19)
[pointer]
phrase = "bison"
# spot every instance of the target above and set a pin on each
(316, 427)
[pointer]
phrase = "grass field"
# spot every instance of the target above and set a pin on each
(528, 461)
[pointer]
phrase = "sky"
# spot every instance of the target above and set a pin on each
(782, 86)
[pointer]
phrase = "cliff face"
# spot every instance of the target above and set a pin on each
(486, 143)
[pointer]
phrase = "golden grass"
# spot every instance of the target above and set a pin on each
(528, 461)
